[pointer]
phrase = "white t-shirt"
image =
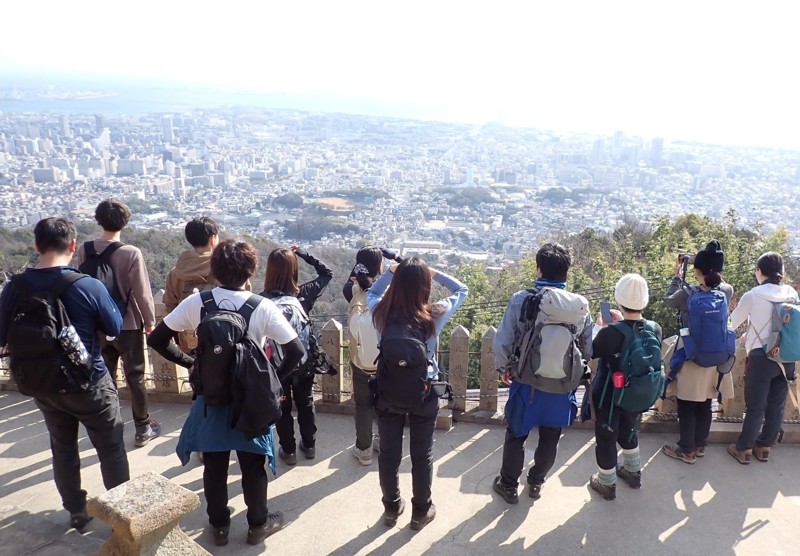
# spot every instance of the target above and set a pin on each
(267, 321)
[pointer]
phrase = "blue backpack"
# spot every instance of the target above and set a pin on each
(710, 342)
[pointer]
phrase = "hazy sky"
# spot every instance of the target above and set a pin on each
(719, 71)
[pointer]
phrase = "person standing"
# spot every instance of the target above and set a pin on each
(765, 382)
(281, 285)
(614, 425)
(696, 386)
(94, 403)
(403, 316)
(133, 285)
(210, 428)
(529, 407)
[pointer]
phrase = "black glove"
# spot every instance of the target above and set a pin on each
(300, 252)
(389, 254)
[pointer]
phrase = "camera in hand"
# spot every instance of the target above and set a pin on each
(686, 258)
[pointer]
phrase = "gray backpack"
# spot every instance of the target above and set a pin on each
(549, 358)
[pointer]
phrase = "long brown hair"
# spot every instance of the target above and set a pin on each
(406, 301)
(282, 272)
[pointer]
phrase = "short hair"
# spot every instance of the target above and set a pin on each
(554, 261)
(282, 272)
(54, 234)
(112, 215)
(233, 263)
(200, 230)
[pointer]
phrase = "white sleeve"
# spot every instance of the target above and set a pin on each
(272, 324)
(186, 316)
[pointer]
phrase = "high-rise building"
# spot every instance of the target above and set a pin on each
(63, 126)
(99, 123)
(167, 130)
(656, 150)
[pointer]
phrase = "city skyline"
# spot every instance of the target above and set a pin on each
(712, 73)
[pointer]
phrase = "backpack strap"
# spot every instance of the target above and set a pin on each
(88, 249)
(65, 282)
(209, 305)
(110, 249)
(249, 306)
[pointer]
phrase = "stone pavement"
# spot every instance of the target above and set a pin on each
(716, 506)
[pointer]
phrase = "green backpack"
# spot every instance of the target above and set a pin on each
(640, 363)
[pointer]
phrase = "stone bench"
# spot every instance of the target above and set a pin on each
(144, 514)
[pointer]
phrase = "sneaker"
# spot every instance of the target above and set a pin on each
(364, 457)
(608, 492)
(256, 535)
(507, 493)
(289, 459)
(310, 452)
(634, 480)
(675, 452)
(79, 521)
(220, 535)
(390, 515)
(376, 443)
(535, 490)
(420, 521)
(761, 453)
(700, 451)
(143, 438)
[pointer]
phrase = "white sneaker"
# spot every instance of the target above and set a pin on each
(376, 443)
(364, 457)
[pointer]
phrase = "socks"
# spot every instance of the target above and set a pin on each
(632, 460)
(607, 476)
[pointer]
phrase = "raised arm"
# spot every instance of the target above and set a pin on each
(458, 294)
(378, 288)
(677, 295)
(310, 291)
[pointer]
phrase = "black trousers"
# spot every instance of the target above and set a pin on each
(300, 390)
(254, 487)
(129, 346)
(694, 419)
(365, 408)
(97, 409)
(765, 390)
(422, 422)
(543, 458)
(620, 429)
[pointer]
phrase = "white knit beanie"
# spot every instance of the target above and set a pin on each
(631, 292)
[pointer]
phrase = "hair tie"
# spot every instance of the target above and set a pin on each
(360, 269)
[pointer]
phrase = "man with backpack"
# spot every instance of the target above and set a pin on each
(122, 269)
(629, 379)
(192, 271)
(539, 350)
(67, 376)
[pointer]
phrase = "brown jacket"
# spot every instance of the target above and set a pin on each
(192, 270)
(131, 275)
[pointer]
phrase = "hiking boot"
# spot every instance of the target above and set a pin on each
(143, 438)
(420, 521)
(535, 490)
(289, 459)
(507, 493)
(220, 535)
(742, 456)
(675, 452)
(634, 479)
(393, 511)
(700, 451)
(256, 535)
(364, 457)
(79, 521)
(761, 453)
(608, 492)
(310, 452)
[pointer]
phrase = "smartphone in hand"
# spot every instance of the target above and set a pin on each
(605, 312)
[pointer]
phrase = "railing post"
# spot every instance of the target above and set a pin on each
(489, 377)
(734, 407)
(459, 366)
(166, 376)
(332, 386)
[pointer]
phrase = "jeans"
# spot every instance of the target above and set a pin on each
(765, 390)
(98, 410)
(694, 419)
(622, 430)
(543, 458)
(254, 487)
(365, 408)
(299, 389)
(129, 346)
(422, 422)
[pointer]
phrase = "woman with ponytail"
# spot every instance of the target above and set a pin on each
(765, 382)
(695, 386)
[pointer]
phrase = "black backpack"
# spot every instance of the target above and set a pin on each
(39, 362)
(402, 375)
(219, 333)
(98, 265)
